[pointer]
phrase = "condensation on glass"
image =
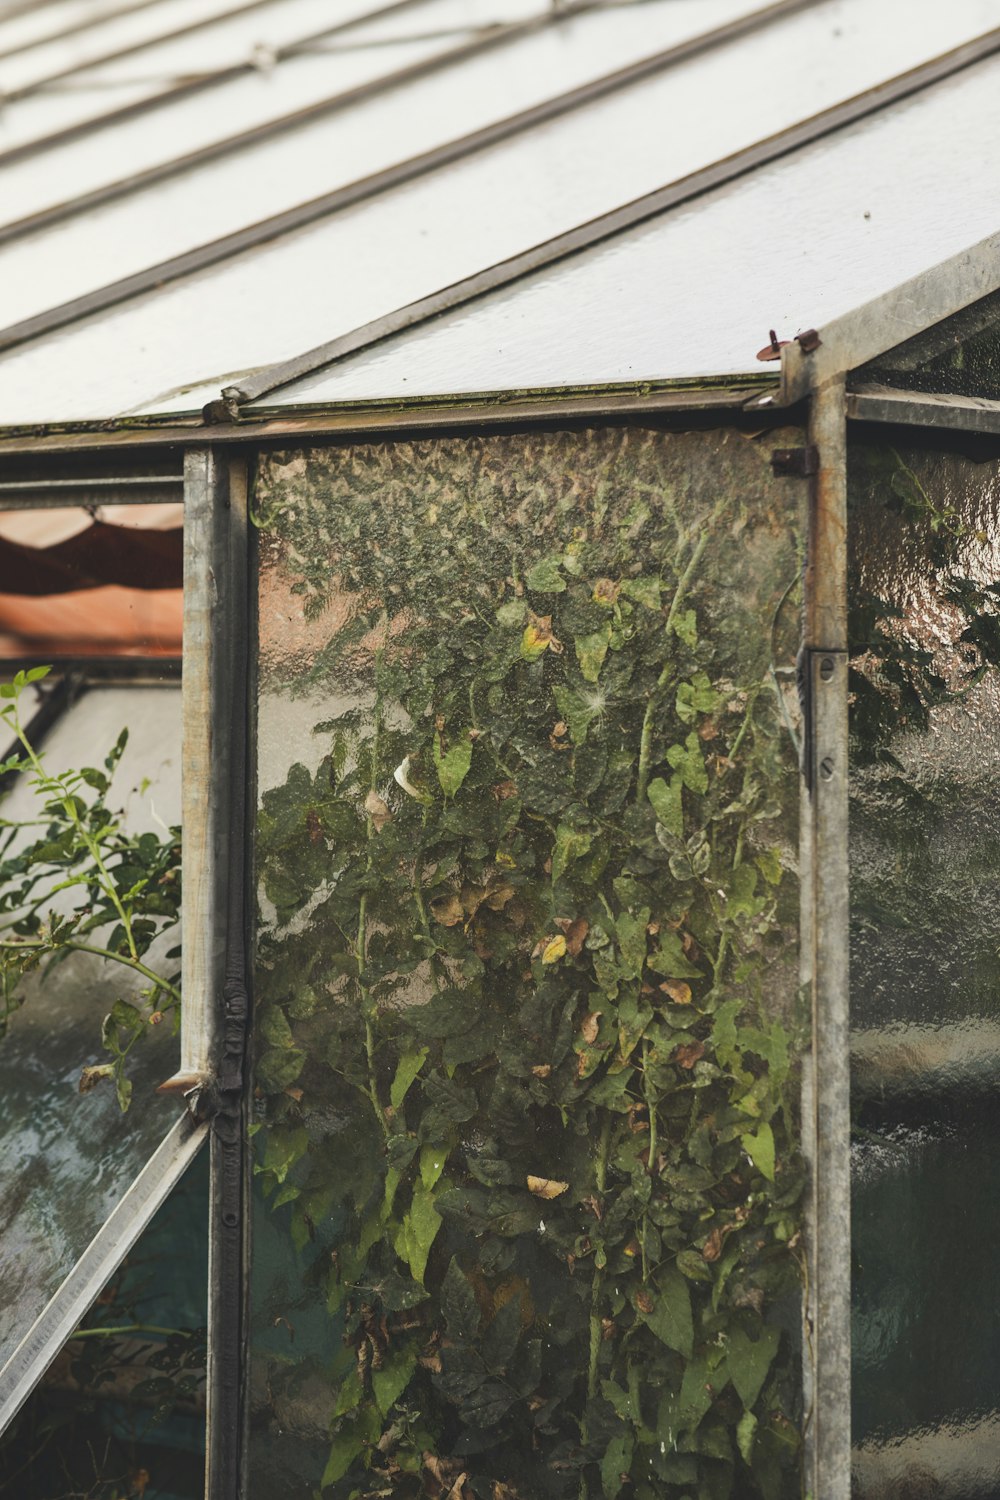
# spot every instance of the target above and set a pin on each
(925, 1003)
(526, 1017)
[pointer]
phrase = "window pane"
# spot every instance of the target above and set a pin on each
(69, 1157)
(925, 914)
(526, 994)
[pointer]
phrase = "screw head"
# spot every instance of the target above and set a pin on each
(827, 667)
(826, 768)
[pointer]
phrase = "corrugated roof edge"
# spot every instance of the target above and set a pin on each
(348, 419)
(273, 377)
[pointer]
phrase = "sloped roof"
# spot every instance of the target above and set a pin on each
(305, 204)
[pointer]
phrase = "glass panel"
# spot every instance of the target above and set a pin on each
(960, 356)
(68, 1153)
(423, 236)
(262, 306)
(536, 335)
(376, 133)
(925, 911)
(122, 1409)
(526, 993)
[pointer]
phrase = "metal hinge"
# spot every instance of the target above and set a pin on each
(795, 463)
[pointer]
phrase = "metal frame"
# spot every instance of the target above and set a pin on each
(824, 959)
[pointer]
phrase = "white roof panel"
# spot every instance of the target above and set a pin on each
(790, 246)
(690, 294)
(340, 147)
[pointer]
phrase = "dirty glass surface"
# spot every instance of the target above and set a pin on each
(960, 357)
(925, 999)
(66, 1158)
(526, 997)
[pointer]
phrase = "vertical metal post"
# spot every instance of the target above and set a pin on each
(215, 994)
(826, 1085)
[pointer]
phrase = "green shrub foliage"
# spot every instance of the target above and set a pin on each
(526, 1013)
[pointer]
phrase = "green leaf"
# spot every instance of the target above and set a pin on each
(453, 765)
(343, 1451)
(666, 800)
(418, 1232)
(577, 710)
(512, 613)
(631, 931)
(350, 1394)
(687, 760)
(615, 1464)
(746, 1431)
(644, 590)
(545, 577)
(570, 844)
(389, 1383)
(433, 1160)
(459, 1305)
(669, 959)
(591, 651)
(695, 1396)
(35, 674)
(696, 697)
(670, 1318)
(685, 626)
(408, 1067)
(748, 1360)
(769, 864)
(692, 1265)
(760, 1148)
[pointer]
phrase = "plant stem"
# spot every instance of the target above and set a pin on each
(646, 737)
(107, 1333)
(118, 958)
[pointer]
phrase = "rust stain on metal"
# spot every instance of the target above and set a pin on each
(808, 341)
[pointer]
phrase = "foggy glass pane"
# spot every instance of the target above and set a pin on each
(925, 914)
(526, 997)
(959, 357)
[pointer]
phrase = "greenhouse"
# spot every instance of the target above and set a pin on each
(524, 474)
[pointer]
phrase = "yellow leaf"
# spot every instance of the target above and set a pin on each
(679, 992)
(546, 1187)
(554, 950)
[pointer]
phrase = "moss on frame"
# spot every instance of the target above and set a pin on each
(527, 1015)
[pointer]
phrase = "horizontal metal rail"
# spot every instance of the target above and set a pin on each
(945, 413)
(562, 246)
(412, 167)
(493, 412)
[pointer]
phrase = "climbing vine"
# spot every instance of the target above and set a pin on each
(526, 996)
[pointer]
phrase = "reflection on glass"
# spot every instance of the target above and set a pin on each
(526, 989)
(925, 908)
